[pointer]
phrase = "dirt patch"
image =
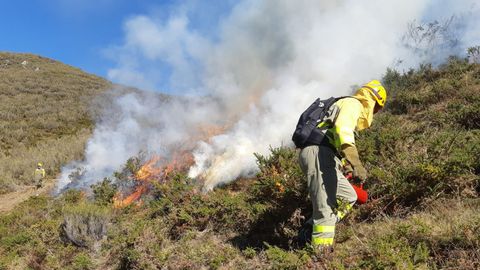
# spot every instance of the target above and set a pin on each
(10, 200)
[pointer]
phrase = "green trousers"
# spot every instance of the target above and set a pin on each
(331, 194)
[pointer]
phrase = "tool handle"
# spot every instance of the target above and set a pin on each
(349, 177)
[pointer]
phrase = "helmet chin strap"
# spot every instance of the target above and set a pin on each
(377, 108)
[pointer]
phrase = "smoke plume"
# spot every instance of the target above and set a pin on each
(252, 78)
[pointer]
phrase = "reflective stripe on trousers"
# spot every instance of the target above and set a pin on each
(323, 235)
(343, 208)
(326, 183)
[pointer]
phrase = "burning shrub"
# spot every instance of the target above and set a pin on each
(140, 174)
(269, 208)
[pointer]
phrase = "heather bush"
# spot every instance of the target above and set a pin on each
(425, 144)
(442, 236)
(104, 192)
(84, 225)
(30, 234)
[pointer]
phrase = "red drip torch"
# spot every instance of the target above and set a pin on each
(362, 194)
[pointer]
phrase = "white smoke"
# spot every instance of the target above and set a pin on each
(133, 123)
(268, 62)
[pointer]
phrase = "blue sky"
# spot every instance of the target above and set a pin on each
(161, 45)
(79, 32)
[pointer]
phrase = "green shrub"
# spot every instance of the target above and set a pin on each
(12, 241)
(187, 209)
(281, 259)
(423, 145)
(104, 192)
(280, 175)
(249, 252)
(129, 259)
(72, 196)
(82, 262)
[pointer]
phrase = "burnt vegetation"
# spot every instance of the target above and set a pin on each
(422, 156)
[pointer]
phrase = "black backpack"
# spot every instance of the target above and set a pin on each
(306, 133)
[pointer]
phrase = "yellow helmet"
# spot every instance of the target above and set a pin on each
(39, 164)
(378, 91)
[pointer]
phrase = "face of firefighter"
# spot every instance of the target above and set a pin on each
(377, 108)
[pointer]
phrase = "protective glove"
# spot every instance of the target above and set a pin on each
(351, 155)
(347, 167)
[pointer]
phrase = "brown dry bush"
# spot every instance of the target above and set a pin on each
(85, 225)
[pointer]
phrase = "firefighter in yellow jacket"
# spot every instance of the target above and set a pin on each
(39, 175)
(331, 194)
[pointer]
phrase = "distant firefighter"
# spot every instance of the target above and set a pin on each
(39, 175)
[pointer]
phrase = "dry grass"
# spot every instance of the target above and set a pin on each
(44, 115)
(444, 235)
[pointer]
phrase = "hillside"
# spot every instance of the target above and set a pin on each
(44, 115)
(422, 155)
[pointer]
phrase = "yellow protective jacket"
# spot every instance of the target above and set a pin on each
(349, 115)
(39, 173)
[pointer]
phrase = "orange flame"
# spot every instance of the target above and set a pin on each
(149, 170)
(152, 171)
(121, 203)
